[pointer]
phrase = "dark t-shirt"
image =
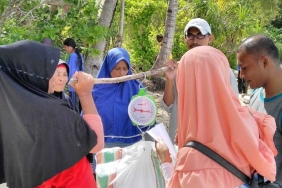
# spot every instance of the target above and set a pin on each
(271, 106)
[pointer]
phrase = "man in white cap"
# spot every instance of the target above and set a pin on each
(196, 33)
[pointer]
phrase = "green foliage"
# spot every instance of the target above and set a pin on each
(3, 4)
(275, 30)
(80, 23)
(277, 22)
(276, 35)
(231, 21)
(140, 32)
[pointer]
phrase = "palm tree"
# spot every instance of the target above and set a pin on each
(167, 42)
(119, 38)
(92, 64)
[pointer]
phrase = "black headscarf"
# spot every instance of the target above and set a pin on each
(40, 134)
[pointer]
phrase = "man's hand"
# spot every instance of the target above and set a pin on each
(171, 72)
(169, 84)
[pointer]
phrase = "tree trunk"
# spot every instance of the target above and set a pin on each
(167, 42)
(14, 6)
(92, 64)
(119, 38)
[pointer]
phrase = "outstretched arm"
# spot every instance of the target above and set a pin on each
(83, 88)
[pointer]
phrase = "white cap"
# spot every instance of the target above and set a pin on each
(199, 23)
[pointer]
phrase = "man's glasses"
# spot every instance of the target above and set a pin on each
(198, 36)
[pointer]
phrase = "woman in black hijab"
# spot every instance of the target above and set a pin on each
(41, 136)
(62, 72)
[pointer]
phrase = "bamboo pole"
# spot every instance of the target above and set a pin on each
(126, 78)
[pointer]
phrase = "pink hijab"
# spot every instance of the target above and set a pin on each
(210, 112)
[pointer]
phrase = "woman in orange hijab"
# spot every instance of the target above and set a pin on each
(210, 112)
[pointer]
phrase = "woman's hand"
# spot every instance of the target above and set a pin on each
(176, 136)
(84, 84)
(162, 151)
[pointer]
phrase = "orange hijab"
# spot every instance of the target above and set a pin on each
(210, 112)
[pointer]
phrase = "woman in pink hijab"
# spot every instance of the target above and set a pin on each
(210, 112)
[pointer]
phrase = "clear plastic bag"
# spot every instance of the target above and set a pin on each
(133, 166)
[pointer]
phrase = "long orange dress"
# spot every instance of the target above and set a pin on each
(210, 112)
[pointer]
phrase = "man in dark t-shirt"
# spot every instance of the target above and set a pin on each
(258, 58)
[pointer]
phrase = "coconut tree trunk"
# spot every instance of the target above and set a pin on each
(167, 42)
(92, 64)
(119, 38)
